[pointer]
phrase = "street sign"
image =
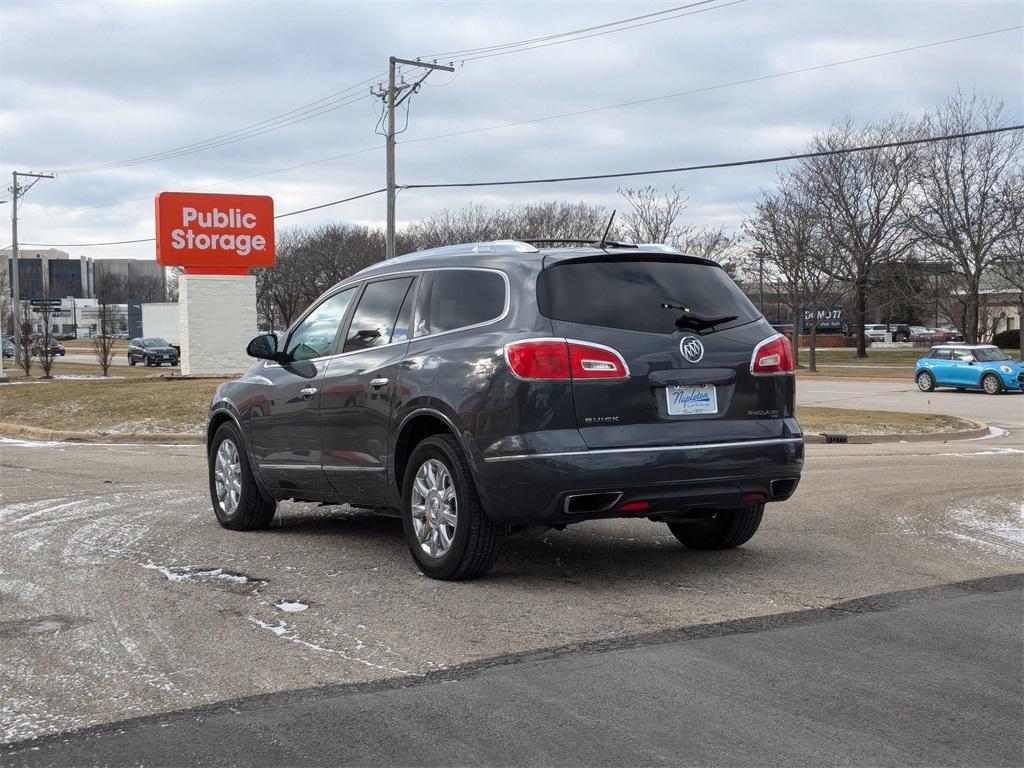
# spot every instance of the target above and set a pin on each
(214, 234)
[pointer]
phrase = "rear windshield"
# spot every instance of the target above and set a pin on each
(629, 293)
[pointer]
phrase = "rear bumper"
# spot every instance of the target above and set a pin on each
(534, 488)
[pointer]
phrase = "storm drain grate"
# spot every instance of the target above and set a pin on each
(835, 437)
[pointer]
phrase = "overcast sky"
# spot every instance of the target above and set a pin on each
(94, 83)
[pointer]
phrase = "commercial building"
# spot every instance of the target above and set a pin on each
(52, 272)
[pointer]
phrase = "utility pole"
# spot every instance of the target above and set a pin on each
(394, 95)
(3, 376)
(17, 192)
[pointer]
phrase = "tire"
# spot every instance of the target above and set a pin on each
(992, 384)
(131, 361)
(149, 363)
(473, 547)
(720, 530)
(925, 381)
(251, 511)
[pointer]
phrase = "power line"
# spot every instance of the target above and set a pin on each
(708, 166)
(468, 51)
(705, 89)
(212, 144)
(598, 34)
(325, 104)
(555, 180)
(153, 239)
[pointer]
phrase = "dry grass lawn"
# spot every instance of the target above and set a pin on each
(815, 420)
(135, 404)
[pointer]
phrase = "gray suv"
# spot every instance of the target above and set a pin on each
(485, 389)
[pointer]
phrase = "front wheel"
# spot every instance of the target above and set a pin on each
(237, 501)
(722, 529)
(992, 384)
(449, 535)
(925, 381)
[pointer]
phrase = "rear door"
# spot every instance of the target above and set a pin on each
(684, 385)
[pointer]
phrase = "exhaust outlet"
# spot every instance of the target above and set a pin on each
(590, 503)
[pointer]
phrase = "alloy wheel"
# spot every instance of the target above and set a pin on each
(227, 472)
(435, 508)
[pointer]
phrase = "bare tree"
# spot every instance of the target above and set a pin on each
(44, 341)
(860, 198)
(652, 216)
(5, 301)
(788, 231)
(1009, 264)
(107, 319)
(961, 206)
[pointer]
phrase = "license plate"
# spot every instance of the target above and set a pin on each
(692, 400)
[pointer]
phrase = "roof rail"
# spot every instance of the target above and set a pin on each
(570, 241)
(490, 246)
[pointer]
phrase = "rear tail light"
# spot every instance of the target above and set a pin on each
(773, 355)
(564, 360)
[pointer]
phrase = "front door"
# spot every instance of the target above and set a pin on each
(359, 390)
(285, 422)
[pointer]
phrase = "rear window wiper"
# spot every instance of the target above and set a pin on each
(694, 322)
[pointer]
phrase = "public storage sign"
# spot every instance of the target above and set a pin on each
(214, 234)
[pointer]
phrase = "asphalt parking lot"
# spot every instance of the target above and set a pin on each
(120, 597)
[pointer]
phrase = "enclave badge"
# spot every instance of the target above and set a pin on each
(692, 348)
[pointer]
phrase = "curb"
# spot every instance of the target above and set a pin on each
(980, 429)
(8, 429)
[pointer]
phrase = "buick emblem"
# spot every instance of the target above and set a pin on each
(692, 348)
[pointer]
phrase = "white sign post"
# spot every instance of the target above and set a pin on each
(217, 319)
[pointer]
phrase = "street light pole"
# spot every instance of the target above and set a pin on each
(17, 192)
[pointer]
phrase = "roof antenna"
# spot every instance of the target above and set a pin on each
(604, 237)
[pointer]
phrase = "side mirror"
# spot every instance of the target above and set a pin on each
(263, 347)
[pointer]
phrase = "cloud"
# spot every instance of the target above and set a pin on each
(120, 80)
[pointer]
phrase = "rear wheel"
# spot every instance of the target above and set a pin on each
(131, 360)
(237, 501)
(925, 381)
(991, 383)
(721, 529)
(448, 532)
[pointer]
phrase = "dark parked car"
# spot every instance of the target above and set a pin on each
(55, 347)
(8, 348)
(151, 351)
(479, 390)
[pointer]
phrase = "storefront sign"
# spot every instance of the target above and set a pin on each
(214, 234)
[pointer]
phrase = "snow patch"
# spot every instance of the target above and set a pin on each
(989, 452)
(186, 573)
(992, 525)
(291, 606)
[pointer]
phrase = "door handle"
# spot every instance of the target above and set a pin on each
(380, 381)
(307, 393)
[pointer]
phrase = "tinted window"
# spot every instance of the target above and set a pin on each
(154, 342)
(374, 321)
(629, 294)
(314, 336)
(459, 298)
(940, 354)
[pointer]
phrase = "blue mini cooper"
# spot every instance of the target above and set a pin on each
(967, 366)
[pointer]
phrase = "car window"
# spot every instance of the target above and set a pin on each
(941, 354)
(990, 355)
(376, 316)
(314, 336)
(965, 357)
(459, 298)
(630, 294)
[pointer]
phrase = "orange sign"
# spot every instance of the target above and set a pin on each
(214, 234)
